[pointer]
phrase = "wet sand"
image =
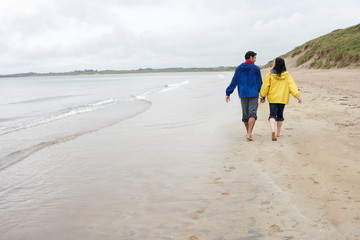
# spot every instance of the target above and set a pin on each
(184, 170)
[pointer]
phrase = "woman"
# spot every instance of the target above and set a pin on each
(277, 86)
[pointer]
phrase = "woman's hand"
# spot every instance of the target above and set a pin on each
(299, 100)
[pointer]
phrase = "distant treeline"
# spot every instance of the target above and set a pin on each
(140, 70)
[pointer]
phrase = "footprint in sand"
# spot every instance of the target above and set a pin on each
(314, 181)
(193, 238)
(217, 181)
(224, 195)
(343, 125)
(275, 228)
(197, 214)
(266, 203)
(229, 169)
(288, 237)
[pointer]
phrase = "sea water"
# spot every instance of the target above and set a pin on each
(31, 101)
(39, 111)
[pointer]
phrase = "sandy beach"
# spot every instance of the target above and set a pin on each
(184, 170)
(317, 158)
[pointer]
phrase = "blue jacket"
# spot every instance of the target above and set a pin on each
(247, 79)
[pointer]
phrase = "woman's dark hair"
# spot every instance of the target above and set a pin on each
(250, 54)
(279, 66)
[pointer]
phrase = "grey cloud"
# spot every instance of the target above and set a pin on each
(66, 35)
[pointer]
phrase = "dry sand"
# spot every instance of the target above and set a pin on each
(317, 159)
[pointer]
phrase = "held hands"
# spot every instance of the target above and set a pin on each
(262, 100)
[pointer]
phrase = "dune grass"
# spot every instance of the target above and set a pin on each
(340, 48)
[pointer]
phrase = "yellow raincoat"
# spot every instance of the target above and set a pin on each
(278, 89)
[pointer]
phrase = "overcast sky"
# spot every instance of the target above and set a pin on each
(66, 35)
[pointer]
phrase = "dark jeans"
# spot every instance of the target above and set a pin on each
(276, 111)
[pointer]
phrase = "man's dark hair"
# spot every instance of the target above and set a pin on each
(250, 54)
(279, 66)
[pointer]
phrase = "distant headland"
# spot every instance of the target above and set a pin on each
(140, 70)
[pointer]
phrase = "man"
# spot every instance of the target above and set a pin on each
(247, 79)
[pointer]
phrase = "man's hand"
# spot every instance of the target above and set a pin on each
(262, 100)
(227, 99)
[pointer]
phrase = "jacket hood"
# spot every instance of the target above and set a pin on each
(283, 75)
(246, 66)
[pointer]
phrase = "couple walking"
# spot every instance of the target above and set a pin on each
(277, 86)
